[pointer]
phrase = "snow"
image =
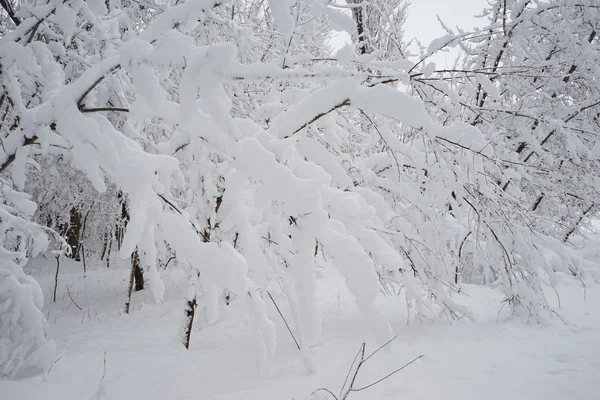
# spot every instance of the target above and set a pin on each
(487, 359)
(148, 86)
(273, 150)
(393, 103)
(489, 87)
(345, 55)
(284, 21)
(339, 21)
(24, 349)
(440, 43)
(19, 165)
(321, 100)
(65, 18)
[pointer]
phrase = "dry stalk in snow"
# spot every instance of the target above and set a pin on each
(360, 359)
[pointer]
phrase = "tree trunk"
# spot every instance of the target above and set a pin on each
(108, 254)
(74, 232)
(82, 251)
(107, 237)
(136, 279)
(576, 226)
(124, 219)
(460, 248)
(131, 279)
(357, 14)
(137, 271)
(56, 278)
(191, 303)
(190, 311)
(118, 235)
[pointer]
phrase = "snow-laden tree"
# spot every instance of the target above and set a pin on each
(379, 26)
(24, 348)
(59, 89)
(537, 110)
(241, 146)
(542, 63)
(389, 158)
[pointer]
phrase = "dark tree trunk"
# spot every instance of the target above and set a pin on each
(82, 252)
(190, 311)
(74, 232)
(190, 305)
(118, 235)
(137, 271)
(537, 202)
(108, 253)
(359, 18)
(136, 279)
(576, 225)
(81, 249)
(130, 289)
(107, 238)
(56, 278)
(123, 220)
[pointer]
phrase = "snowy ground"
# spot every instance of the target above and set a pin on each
(144, 360)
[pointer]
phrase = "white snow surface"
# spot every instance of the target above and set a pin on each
(488, 359)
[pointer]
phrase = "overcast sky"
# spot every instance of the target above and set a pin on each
(422, 16)
(422, 22)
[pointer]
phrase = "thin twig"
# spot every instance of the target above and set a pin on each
(380, 347)
(325, 390)
(100, 109)
(96, 82)
(57, 360)
(360, 363)
(69, 293)
(559, 317)
(284, 320)
(500, 310)
(350, 369)
(168, 261)
(56, 278)
(176, 209)
(388, 375)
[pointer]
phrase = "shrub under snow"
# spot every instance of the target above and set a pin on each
(24, 348)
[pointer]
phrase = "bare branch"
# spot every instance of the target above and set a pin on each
(284, 320)
(100, 109)
(388, 375)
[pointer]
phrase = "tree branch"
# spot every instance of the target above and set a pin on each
(11, 13)
(88, 90)
(11, 157)
(100, 109)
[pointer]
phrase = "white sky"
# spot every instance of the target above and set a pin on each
(422, 22)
